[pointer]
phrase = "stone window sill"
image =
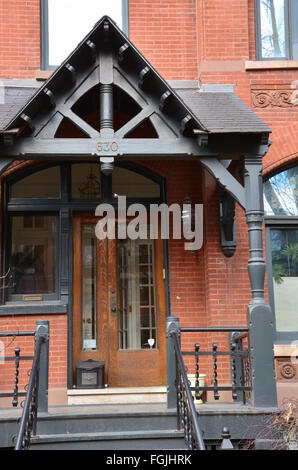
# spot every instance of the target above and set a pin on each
(21, 308)
(43, 75)
(285, 350)
(270, 64)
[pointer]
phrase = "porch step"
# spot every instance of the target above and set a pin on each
(137, 440)
(125, 395)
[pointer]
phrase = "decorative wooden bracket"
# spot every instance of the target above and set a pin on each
(50, 96)
(72, 73)
(143, 75)
(226, 180)
(122, 53)
(228, 230)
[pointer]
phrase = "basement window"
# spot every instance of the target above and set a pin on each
(65, 23)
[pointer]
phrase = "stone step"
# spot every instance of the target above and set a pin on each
(107, 418)
(117, 395)
(126, 440)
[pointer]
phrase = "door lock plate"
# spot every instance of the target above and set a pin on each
(113, 305)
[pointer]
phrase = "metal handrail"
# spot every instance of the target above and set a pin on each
(196, 430)
(29, 415)
(212, 329)
(238, 334)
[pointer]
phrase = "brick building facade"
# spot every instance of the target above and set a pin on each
(191, 43)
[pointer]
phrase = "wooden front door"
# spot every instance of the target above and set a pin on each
(119, 306)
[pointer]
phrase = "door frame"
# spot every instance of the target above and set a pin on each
(118, 361)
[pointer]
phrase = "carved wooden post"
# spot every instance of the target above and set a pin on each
(106, 72)
(260, 317)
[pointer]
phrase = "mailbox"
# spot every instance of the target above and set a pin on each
(90, 374)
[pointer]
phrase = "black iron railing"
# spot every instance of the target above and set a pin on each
(17, 358)
(239, 363)
(29, 415)
(187, 417)
(36, 391)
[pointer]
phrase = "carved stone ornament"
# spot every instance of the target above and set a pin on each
(286, 370)
(274, 98)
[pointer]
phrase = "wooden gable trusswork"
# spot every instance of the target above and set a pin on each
(106, 102)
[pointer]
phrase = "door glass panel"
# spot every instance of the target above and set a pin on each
(89, 310)
(136, 294)
(284, 249)
(131, 184)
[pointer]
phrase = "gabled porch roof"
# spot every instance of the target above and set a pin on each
(205, 124)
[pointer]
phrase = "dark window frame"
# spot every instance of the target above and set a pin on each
(288, 33)
(64, 208)
(44, 31)
(47, 297)
(281, 337)
(282, 222)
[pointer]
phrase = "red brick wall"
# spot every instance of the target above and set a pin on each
(185, 39)
(19, 38)
(165, 32)
(58, 349)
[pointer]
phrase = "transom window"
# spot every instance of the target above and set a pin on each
(281, 218)
(64, 23)
(276, 29)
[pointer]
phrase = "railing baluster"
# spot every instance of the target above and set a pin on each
(233, 370)
(214, 350)
(197, 383)
(15, 400)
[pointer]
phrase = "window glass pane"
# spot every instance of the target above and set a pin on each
(42, 184)
(85, 180)
(273, 29)
(33, 254)
(294, 26)
(89, 309)
(130, 184)
(281, 193)
(69, 21)
(284, 248)
(136, 294)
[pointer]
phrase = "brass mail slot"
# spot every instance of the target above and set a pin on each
(32, 298)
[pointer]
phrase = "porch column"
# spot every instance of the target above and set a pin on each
(173, 324)
(43, 329)
(260, 316)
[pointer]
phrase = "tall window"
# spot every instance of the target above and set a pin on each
(281, 217)
(64, 23)
(277, 29)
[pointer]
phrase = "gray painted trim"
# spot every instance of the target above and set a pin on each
(32, 309)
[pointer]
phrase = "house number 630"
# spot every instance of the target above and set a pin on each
(107, 146)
